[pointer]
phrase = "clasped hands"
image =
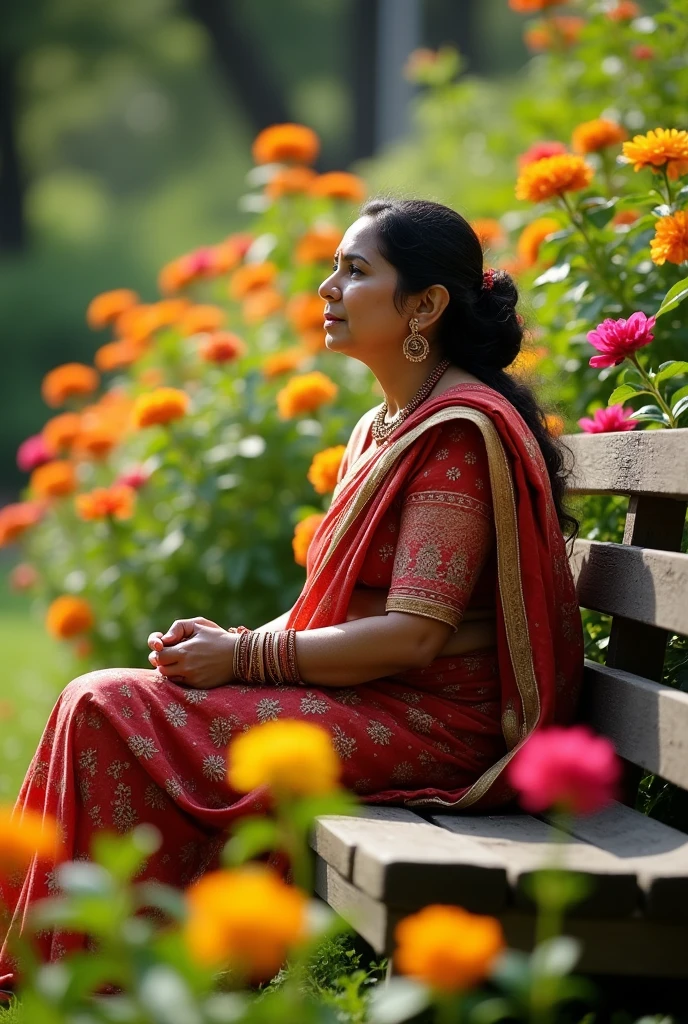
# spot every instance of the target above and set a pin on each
(194, 652)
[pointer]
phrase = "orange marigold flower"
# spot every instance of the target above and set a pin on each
(325, 467)
(286, 144)
(26, 835)
(71, 380)
(291, 757)
(526, 361)
(625, 10)
(116, 355)
(289, 181)
(153, 377)
(117, 501)
(559, 30)
(16, 519)
(261, 304)
(555, 424)
(659, 148)
(303, 535)
(54, 479)
(591, 136)
(532, 237)
(68, 616)
(284, 362)
(167, 312)
(318, 245)
(305, 393)
(201, 319)
(448, 948)
(173, 277)
(305, 312)
(61, 431)
(671, 239)
(138, 323)
(105, 308)
(553, 176)
(252, 277)
(226, 256)
(222, 347)
(97, 440)
(489, 231)
(340, 185)
(248, 919)
(539, 151)
(313, 340)
(626, 217)
(512, 265)
(160, 406)
(531, 6)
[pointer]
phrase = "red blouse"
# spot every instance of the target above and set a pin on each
(434, 550)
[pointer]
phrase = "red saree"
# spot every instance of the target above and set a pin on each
(123, 746)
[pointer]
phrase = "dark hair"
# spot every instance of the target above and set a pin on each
(479, 331)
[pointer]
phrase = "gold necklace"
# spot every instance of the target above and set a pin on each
(381, 429)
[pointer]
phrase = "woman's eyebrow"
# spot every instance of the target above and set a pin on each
(352, 256)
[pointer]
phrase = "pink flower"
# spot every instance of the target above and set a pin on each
(540, 151)
(32, 453)
(23, 576)
(617, 339)
(643, 52)
(135, 478)
(569, 769)
(199, 262)
(605, 420)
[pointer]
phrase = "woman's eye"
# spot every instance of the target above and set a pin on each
(352, 267)
(335, 268)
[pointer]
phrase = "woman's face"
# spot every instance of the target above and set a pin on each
(359, 293)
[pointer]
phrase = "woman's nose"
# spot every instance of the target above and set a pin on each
(329, 290)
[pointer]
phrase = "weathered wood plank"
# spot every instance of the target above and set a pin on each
(370, 918)
(525, 845)
(642, 584)
(335, 837)
(636, 462)
(647, 722)
(656, 853)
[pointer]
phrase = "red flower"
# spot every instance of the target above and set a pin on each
(642, 52)
(540, 151)
(570, 769)
(605, 420)
(617, 339)
(135, 478)
(33, 453)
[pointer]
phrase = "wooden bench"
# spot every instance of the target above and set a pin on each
(384, 863)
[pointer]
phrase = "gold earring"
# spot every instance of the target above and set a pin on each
(416, 348)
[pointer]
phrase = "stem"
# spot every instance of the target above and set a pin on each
(611, 283)
(652, 387)
(607, 172)
(448, 1008)
(667, 184)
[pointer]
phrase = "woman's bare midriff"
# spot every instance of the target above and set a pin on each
(476, 631)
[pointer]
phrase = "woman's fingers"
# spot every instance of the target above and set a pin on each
(181, 629)
(168, 657)
(155, 641)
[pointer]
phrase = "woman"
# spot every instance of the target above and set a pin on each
(438, 625)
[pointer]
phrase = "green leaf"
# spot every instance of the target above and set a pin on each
(304, 812)
(397, 1001)
(649, 414)
(559, 272)
(625, 391)
(674, 297)
(671, 369)
(122, 856)
(599, 212)
(251, 838)
(680, 407)
(678, 395)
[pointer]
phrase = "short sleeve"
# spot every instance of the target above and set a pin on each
(446, 529)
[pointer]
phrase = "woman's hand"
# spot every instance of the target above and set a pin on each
(194, 652)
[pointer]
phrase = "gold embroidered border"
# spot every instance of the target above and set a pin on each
(422, 606)
(508, 570)
(465, 501)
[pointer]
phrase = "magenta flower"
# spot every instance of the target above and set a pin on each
(32, 453)
(569, 769)
(617, 339)
(605, 420)
(135, 478)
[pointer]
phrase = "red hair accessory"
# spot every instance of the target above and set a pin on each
(488, 278)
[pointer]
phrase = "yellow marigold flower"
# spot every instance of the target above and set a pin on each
(252, 277)
(489, 231)
(305, 393)
(290, 181)
(303, 536)
(591, 136)
(260, 304)
(201, 319)
(16, 519)
(671, 239)
(26, 835)
(117, 501)
(116, 355)
(159, 407)
(659, 148)
(294, 758)
(339, 185)
(71, 380)
(526, 361)
(552, 177)
(68, 616)
(54, 479)
(222, 347)
(555, 424)
(306, 312)
(532, 237)
(61, 431)
(318, 245)
(447, 947)
(325, 467)
(284, 362)
(248, 919)
(105, 308)
(286, 144)
(559, 30)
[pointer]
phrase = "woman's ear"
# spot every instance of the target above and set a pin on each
(431, 305)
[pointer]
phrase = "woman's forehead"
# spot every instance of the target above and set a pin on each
(360, 237)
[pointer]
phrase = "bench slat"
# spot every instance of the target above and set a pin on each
(335, 837)
(636, 462)
(647, 722)
(526, 844)
(657, 854)
(642, 584)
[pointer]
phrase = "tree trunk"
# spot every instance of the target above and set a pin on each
(363, 30)
(12, 223)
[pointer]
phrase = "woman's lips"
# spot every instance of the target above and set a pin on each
(333, 319)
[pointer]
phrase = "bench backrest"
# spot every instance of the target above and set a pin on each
(643, 584)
